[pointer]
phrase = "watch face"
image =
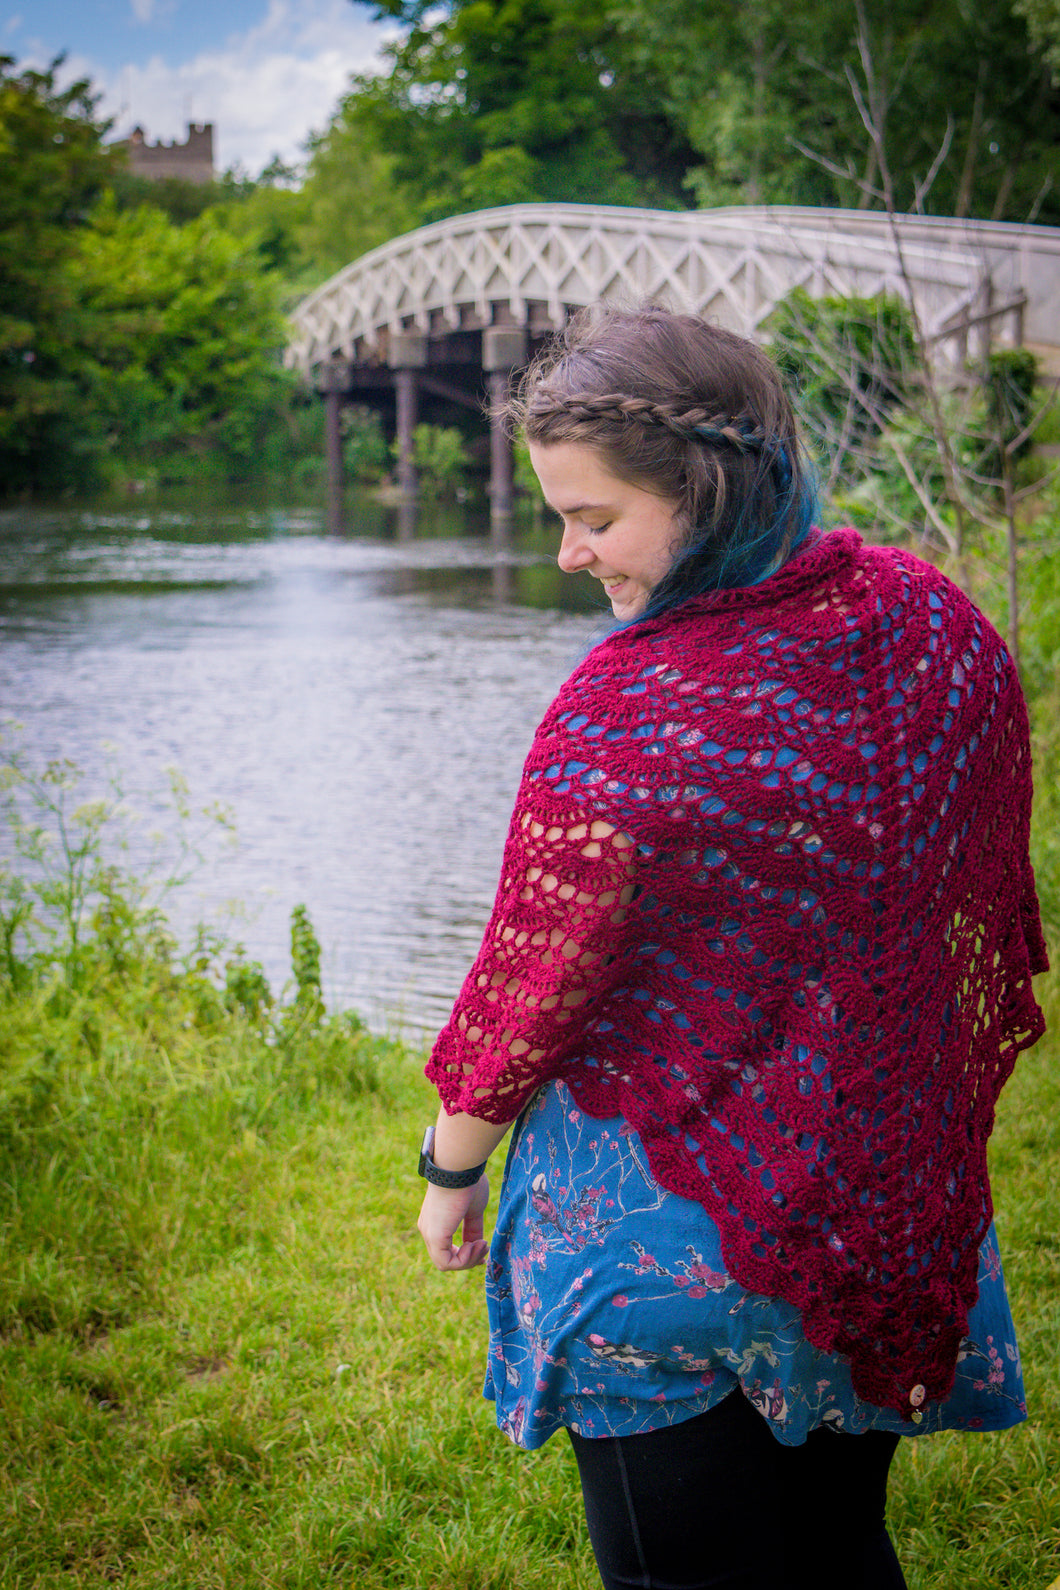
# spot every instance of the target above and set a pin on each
(426, 1148)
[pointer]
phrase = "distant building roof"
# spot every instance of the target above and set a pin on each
(190, 161)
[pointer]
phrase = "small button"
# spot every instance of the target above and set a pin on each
(917, 1395)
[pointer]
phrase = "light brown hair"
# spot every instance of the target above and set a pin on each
(689, 411)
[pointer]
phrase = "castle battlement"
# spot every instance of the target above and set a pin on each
(190, 161)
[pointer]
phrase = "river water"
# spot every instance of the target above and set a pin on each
(361, 700)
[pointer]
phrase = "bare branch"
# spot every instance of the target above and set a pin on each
(1043, 194)
(847, 173)
(924, 498)
(924, 188)
(1036, 485)
(1033, 424)
(859, 99)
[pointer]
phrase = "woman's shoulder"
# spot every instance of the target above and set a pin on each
(840, 603)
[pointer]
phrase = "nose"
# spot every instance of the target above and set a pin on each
(574, 550)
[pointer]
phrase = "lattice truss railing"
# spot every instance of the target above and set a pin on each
(731, 266)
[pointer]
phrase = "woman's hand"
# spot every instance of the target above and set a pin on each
(445, 1210)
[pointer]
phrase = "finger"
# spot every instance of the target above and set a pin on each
(474, 1228)
(470, 1254)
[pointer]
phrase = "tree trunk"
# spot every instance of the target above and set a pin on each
(758, 103)
(1012, 548)
(868, 181)
(971, 153)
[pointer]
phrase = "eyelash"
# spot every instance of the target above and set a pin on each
(594, 530)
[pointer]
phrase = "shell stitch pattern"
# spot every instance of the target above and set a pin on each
(739, 829)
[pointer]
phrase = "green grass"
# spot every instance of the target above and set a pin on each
(226, 1362)
(224, 1359)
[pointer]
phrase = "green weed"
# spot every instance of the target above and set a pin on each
(223, 1360)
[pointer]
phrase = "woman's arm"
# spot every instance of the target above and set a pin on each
(460, 1141)
(545, 960)
(564, 893)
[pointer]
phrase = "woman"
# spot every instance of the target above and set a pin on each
(759, 966)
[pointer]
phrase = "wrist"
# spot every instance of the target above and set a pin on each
(438, 1175)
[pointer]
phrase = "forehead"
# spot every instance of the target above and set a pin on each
(573, 475)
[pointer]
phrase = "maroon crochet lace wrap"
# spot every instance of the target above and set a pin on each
(766, 893)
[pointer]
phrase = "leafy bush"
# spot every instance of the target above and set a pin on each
(440, 456)
(849, 363)
(103, 1016)
(1011, 380)
(364, 447)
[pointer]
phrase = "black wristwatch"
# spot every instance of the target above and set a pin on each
(444, 1178)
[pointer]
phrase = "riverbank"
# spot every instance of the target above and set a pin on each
(223, 1358)
(226, 1363)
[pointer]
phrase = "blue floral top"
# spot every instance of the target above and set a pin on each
(611, 1312)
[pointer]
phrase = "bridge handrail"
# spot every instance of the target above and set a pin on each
(418, 274)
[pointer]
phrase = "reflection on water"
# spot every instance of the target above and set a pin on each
(363, 702)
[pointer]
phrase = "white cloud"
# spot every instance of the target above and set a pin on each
(264, 90)
(143, 10)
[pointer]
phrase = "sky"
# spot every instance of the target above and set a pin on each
(265, 72)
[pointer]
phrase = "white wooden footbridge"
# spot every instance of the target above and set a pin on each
(447, 312)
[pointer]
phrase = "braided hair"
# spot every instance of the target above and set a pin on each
(691, 412)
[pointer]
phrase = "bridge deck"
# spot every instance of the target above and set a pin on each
(529, 264)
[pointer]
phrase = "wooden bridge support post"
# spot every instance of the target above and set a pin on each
(407, 356)
(503, 350)
(333, 385)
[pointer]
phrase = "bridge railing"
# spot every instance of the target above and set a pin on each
(536, 261)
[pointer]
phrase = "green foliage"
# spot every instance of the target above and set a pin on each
(269, 221)
(849, 363)
(754, 86)
(305, 964)
(181, 332)
(99, 1010)
(1043, 24)
(365, 452)
(528, 100)
(131, 343)
(352, 201)
(507, 175)
(440, 456)
(180, 200)
(1010, 385)
(53, 166)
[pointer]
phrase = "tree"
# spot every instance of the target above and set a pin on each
(951, 438)
(126, 339)
(494, 101)
(353, 199)
(53, 166)
(181, 335)
(751, 83)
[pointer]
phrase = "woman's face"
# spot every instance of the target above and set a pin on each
(622, 535)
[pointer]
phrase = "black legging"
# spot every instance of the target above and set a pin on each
(718, 1501)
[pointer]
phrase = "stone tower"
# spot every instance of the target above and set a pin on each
(191, 161)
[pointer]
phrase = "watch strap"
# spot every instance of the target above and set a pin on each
(444, 1178)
